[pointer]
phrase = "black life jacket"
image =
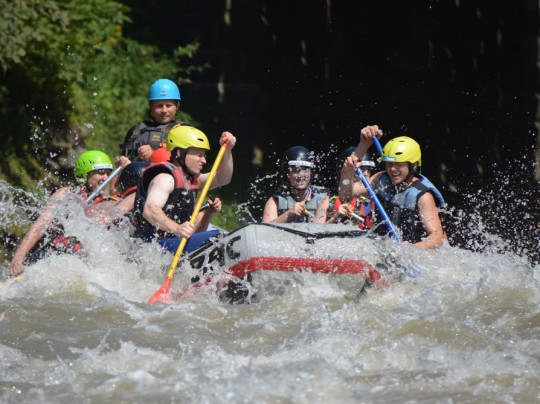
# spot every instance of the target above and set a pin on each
(146, 132)
(402, 207)
(179, 205)
(128, 192)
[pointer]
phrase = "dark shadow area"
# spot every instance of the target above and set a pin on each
(459, 77)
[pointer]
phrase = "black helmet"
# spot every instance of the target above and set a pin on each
(296, 156)
(341, 159)
(130, 175)
(366, 160)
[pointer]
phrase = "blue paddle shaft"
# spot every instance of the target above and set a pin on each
(103, 185)
(378, 204)
(378, 145)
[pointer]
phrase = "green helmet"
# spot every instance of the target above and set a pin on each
(90, 161)
(402, 149)
(184, 137)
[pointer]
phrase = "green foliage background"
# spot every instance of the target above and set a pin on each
(70, 81)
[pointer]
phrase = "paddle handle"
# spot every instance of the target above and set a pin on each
(381, 209)
(92, 196)
(378, 144)
(357, 217)
(307, 212)
(378, 204)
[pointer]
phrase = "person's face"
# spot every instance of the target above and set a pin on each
(96, 178)
(398, 172)
(163, 111)
(299, 177)
(366, 170)
(195, 160)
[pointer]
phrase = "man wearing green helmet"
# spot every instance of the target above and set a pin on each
(167, 191)
(92, 169)
(411, 201)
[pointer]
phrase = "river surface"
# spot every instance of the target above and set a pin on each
(77, 328)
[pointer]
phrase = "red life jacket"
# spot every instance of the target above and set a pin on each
(362, 207)
(179, 205)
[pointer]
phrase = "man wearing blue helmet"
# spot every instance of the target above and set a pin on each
(150, 135)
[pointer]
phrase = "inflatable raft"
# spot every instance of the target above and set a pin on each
(292, 247)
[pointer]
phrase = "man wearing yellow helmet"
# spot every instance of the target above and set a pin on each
(92, 169)
(167, 191)
(411, 201)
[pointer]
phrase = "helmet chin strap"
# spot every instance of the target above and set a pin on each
(412, 171)
(306, 193)
(295, 188)
(181, 160)
(408, 180)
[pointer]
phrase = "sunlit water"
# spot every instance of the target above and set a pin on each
(78, 329)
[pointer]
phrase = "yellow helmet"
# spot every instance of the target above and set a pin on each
(402, 149)
(184, 137)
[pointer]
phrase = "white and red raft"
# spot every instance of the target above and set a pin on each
(236, 257)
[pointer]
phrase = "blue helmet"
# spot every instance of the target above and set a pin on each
(163, 89)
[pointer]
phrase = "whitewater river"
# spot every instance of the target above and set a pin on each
(78, 329)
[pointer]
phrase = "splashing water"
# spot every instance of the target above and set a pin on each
(77, 328)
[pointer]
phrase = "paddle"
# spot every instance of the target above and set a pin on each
(307, 197)
(353, 215)
(378, 144)
(103, 185)
(307, 212)
(378, 204)
(374, 197)
(163, 293)
(357, 217)
(311, 215)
